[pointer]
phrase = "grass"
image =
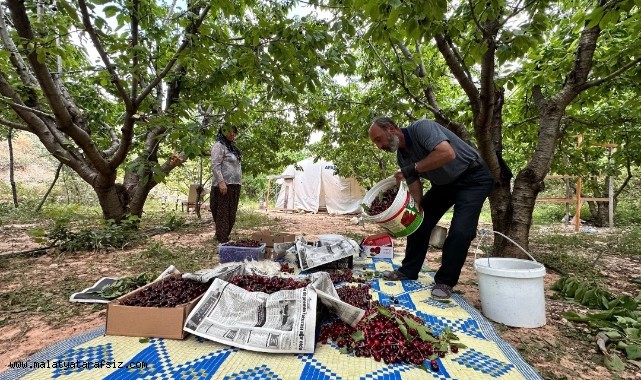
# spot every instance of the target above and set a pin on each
(567, 253)
(49, 301)
(157, 257)
(249, 218)
(629, 241)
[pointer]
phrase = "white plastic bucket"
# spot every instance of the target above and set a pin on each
(512, 290)
(402, 218)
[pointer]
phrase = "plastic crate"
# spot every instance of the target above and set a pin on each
(230, 253)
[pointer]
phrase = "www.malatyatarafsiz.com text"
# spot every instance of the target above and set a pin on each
(53, 364)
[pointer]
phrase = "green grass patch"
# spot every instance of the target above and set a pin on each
(544, 214)
(50, 301)
(249, 219)
(156, 258)
(571, 253)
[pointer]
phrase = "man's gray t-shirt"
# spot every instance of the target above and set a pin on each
(421, 137)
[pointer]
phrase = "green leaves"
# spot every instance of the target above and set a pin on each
(614, 363)
(111, 10)
(125, 285)
(621, 322)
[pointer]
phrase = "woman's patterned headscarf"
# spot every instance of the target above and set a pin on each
(222, 137)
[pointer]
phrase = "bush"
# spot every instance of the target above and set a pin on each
(628, 213)
(629, 242)
(108, 236)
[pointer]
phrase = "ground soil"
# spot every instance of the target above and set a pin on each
(557, 350)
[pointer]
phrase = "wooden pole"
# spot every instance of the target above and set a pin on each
(577, 214)
(610, 192)
(267, 195)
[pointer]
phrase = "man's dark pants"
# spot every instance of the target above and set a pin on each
(467, 195)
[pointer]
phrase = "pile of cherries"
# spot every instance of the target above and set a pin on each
(383, 201)
(269, 285)
(244, 243)
(285, 268)
(386, 333)
(355, 295)
(168, 292)
(340, 275)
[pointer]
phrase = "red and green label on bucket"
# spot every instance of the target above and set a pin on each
(406, 220)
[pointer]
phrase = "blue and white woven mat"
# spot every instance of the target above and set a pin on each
(95, 356)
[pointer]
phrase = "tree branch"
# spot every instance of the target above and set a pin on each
(401, 82)
(627, 178)
(15, 105)
(115, 141)
(444, 120)
(476, 20)
(134, 42)
(40, 70)
(16, 59)
(488, 70)
(421, 72)
(14, 125)
(458, 70)
(63, 110)
(174, 59)
(584, 57)
(516, 11)
(86, 21)
(613, 75)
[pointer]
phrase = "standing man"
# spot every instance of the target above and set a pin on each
(458, 177)
(226, 181)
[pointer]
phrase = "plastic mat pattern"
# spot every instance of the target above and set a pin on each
(487, 356)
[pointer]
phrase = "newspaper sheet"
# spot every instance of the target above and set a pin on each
(346, 312)
(326, 251)
(223, 271)
(284, 321)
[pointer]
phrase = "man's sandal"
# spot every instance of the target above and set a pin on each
(441, 291)
(395, 275)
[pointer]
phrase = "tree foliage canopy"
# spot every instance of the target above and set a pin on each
(517, 79)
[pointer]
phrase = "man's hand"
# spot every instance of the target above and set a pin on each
(222, 187)
(399, 177)
(409, 171)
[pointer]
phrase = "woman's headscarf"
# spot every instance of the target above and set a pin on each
(221, 136)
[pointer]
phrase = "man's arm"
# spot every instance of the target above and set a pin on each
(441, 155)
(416, 190)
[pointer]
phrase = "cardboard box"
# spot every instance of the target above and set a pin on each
(380, 246)
(230, 253)
(152, 322)
(269, 238)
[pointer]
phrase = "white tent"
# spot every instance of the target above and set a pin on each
(315, 187)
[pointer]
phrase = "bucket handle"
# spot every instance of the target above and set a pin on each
(484, 233)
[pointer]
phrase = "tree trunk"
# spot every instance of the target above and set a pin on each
(526, 188)
(599, 212)
(529, 183)
(501, 211)
(114, 201)
(14, 191)
(137, 188)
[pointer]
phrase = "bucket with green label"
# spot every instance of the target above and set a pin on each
(402, 217)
